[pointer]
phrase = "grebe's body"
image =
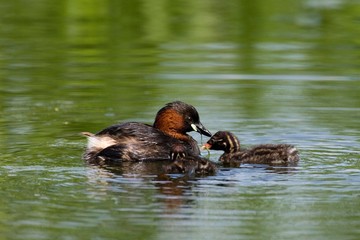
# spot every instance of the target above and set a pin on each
(133, 141)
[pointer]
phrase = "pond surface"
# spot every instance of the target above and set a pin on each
(271, 72)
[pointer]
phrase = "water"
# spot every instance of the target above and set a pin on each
(274, 72)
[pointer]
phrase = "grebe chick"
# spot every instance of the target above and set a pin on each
(183, 163)
(272, 154)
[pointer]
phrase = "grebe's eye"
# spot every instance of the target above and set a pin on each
(188, 118)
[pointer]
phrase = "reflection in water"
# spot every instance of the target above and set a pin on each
(171, 188)
(174, 191)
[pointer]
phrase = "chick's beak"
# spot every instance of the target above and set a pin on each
(198, 127)
(206, 146)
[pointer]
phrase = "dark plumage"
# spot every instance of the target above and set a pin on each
(272, 154)
(133, 141)
(183, 163)
(192, 165)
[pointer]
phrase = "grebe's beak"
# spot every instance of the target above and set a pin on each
(198, 127)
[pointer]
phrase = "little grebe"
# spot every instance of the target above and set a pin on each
(133, 141)
(273, 154)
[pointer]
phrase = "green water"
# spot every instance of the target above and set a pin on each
(269, 71)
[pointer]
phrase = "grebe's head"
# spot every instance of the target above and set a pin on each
(178, 118)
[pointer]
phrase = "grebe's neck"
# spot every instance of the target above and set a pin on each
(171, 123)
